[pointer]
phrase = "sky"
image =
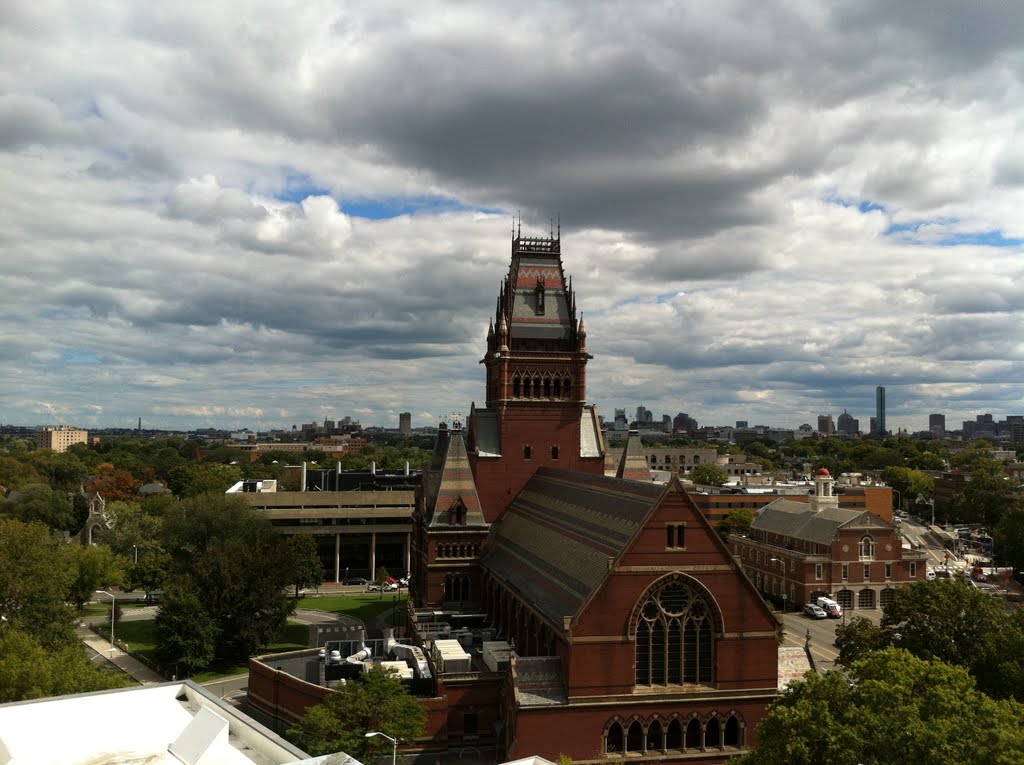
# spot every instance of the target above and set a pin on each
(258, 214)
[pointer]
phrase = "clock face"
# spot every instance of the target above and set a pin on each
(888, 548)
(846, 548)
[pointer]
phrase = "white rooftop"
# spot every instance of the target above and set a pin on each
(170, 723)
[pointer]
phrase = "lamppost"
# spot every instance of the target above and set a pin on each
(394, 743)
(930, 502)
(112, 609)
(136, 549)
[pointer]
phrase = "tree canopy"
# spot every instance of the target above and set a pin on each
(891, 709)
(375, 702)
(709, 475)
(229, 555)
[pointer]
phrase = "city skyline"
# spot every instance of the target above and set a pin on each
(255, 217)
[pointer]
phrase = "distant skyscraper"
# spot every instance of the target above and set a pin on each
(825, 425)
(847, 424)
(405, 423)
(937, 425)
(880, 410)
(741, 424)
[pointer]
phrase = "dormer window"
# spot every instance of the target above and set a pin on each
(538, 294)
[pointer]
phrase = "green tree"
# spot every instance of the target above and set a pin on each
(17, 473)
(206, 478)
(305, 568)
(1009, 536)
(709, 475)
(95, 567)
(857, 638)
(737, 521)
(213, 540)
(894, 708)
(39, 502)
(30, 670)
(136, 532)
(36, 574)
(185, 634)
(151, 572)
(950, 621)
(986, 497)
(377, 702)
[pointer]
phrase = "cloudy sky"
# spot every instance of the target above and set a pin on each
(265, 213)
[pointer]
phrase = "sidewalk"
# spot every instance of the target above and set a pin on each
(128, 664)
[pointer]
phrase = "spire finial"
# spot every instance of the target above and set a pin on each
(559, 226)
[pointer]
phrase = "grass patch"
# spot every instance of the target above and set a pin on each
(365, 607)
(140, 640)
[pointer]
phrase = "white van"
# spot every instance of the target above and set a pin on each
(830, 607)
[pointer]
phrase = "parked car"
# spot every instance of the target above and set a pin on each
(373, 587)
(356, 580)
(830, 607)
(814, 611)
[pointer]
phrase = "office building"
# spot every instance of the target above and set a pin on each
(61, 437)
(405, 423)
(880, 411)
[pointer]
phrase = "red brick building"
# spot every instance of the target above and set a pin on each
(633, 631)
(797, 551)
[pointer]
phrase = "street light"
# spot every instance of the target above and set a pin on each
(991, 553)
(394, 743)
(930, 502)
(112, 609)
(136, 549)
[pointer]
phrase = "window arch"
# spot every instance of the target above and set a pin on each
(733, 735)
(867, 548)
(516, 387)
(613, 740)
(674, 736)
(655, 741)
(693, 734)
(635, 737)
(674, 636)
(713, 734)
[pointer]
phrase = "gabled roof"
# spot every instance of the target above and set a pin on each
(560, 533)
(450, 483)
(799, 520)
(633, 464)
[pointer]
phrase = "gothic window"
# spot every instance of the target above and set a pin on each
(693, 734)
(539, 295)
(733, 733)
(547, 387)
(567, 389)
(675, 637)
(635, 737)
(554, 452)
(867, 548)
(713, 734)
(674, 736)
(516, 387)
(527, 452)
(613, 741)
(654, 737)
(556, 387)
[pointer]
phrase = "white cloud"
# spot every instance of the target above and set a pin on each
(756, 230)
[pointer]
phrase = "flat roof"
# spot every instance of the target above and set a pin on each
(138, 725)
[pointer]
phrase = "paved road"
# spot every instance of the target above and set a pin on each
(823, 634)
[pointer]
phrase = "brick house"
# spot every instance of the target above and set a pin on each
(796, 551)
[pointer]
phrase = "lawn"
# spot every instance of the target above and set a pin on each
(138, 636)
(364, 607)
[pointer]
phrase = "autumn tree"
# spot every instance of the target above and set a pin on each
(113, 484)
(376, 702)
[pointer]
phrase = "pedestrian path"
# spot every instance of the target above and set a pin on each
(127, 663)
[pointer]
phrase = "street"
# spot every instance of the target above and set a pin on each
(823, 634)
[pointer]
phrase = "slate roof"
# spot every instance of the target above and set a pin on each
(451, 482)
(633, 464)
(559, 534)
(799, 520)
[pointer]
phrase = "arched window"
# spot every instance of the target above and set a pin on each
(556, 387)
(733, 735)
(547, 387)
(675, 637)
(613, 741)
(554, 452)
(867, 548)
(527, 452)
(516, 387)
(693, 732)
(635, 737)
(674, 736)
(654, 737)
(713, 734)
(567, 388)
